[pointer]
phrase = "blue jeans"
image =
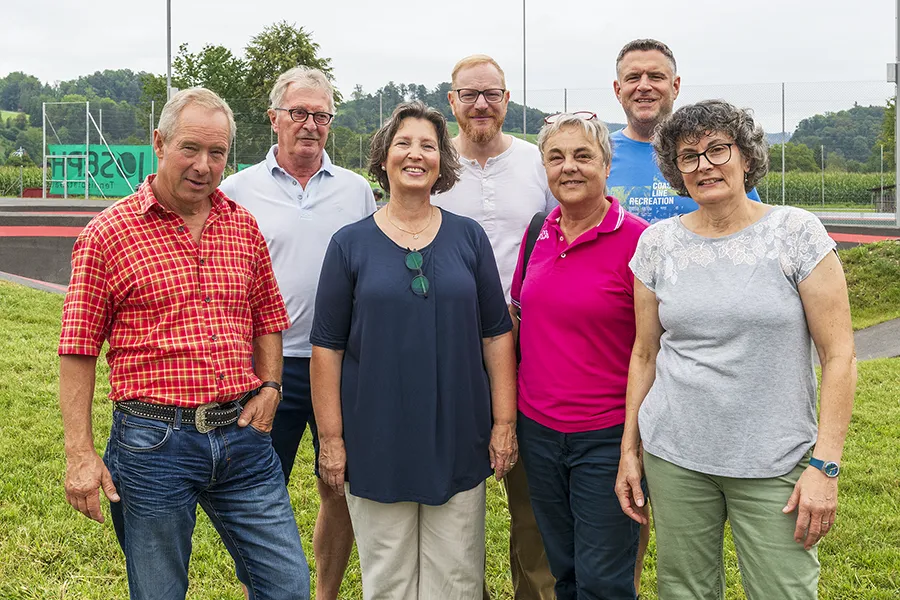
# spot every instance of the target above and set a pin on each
(294, 412)
(163, 471)
(591, 545)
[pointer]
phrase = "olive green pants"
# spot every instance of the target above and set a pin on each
(689, 512)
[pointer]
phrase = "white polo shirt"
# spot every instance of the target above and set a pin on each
(298, 224)
(503, 196)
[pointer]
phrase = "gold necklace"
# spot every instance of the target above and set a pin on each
(414, 234)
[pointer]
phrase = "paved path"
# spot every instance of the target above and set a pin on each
(878, 341)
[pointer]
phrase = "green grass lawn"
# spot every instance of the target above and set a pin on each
(873, 279)
(47, 550)
(6, 114)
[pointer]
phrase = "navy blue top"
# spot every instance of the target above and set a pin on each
(415, 395)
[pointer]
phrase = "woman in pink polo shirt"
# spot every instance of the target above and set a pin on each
(576, 329)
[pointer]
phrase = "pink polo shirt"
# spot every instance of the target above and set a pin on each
(577, 327)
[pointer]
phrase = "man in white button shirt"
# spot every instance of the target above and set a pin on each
(299, 199)
(502, 185)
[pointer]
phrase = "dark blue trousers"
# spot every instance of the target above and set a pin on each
(294, 413)
(591, 544)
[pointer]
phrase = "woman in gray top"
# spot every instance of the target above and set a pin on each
(721, 399)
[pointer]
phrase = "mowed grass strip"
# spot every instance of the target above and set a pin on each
(873, 280)
(47, 550)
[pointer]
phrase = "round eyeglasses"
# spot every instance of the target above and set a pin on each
(717, 154)
(581, 114)
(300, 115)
(470, 96)
(419, 283)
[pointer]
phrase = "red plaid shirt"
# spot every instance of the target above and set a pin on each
(180, 317)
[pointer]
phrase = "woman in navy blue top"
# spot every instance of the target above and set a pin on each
(413, 372)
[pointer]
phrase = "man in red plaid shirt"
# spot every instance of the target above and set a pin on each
(177, 279)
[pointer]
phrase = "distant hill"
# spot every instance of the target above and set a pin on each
(778, 138)
(363, 112)
(850, 134)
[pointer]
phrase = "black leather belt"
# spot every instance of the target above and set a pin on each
(204, 418)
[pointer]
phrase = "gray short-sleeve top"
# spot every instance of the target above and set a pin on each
(735, 387)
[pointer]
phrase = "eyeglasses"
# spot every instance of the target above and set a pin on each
(470, 96)
(419, 283)
(581, 114)
(716, 155)
(300, 115)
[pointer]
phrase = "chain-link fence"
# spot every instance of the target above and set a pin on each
(841, 166)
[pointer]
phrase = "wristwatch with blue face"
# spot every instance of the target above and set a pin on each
(830, 468)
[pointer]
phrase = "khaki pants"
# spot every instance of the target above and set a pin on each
(531, 575)
(689, 514)
(411, 551)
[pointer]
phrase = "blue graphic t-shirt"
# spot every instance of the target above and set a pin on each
(637, 183)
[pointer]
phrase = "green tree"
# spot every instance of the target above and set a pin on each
(119, 85)
(848, 133)
(797, 157)
(19, 90)
(885, 138)
(30, 140)
(276, 49)
(214, 68)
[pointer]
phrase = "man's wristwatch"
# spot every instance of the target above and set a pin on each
(830, 468)
(271, 384)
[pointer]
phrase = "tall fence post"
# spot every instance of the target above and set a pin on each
(784, 142)
(524, 73)
(87, 148)
(44, 149)
(823, 174)
(897, 122)
(152, 122)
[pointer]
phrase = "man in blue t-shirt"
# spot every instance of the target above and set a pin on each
(646, 86)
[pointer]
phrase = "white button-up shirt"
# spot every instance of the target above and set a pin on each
(503, 196)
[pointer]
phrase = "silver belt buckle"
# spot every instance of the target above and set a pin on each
(200, 421)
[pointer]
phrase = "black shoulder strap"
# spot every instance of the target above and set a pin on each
(534, 229)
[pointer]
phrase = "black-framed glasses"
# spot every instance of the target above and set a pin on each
(717, 154)
(419, 283)
(581, 114)
(300, 115)
(470, 96)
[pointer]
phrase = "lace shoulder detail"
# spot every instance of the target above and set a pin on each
(805, 242)
(649, 256)
(792, 236)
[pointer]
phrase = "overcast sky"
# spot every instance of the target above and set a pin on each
(721, 46)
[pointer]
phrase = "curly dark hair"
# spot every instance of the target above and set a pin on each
(690, 123)
(381, 143)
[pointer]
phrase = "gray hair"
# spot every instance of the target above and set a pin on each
(646, 45)
(689, 123)
(304, 78)
(195, 96)
(594, 129)
(381, 143)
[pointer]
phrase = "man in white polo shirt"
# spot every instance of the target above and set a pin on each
(299, 198)
(502, 185)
